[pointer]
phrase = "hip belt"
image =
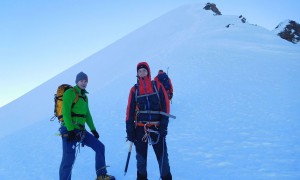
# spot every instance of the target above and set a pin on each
(156, 112)
(147, 123)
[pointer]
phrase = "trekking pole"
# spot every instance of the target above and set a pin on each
(128, 158)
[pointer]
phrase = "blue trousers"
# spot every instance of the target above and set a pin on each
(69, 151)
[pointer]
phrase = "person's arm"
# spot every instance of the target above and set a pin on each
(165, 107)
(130, 115)
(89, 120)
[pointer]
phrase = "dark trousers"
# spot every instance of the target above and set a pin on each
(69, 151)
(160, 150)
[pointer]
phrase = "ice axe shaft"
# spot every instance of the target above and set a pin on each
(128, 158)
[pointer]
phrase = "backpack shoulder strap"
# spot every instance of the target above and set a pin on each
(155, 88)
(136, 86)
(76, 98)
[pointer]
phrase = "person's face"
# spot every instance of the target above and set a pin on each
(142, 72)
(82, 84)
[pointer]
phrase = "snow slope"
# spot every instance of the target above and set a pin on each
(236, 100)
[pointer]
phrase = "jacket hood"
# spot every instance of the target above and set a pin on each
(144, 65)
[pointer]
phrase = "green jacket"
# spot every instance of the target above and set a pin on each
(81, 107)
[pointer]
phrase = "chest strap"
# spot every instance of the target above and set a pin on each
(78, 115)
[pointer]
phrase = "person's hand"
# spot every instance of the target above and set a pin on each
(130, 130)
(95, 133)
(163, 132)
(71, 135)
(131, 136)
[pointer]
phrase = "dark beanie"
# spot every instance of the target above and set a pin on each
(81, 76)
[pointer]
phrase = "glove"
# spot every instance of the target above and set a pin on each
(131, 136)
(130, 130)
(163, 132)
(95, 133)
(163, 128)
(71, 135)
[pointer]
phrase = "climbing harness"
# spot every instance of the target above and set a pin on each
(148, 131)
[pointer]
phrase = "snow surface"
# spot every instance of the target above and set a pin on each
(236, 100)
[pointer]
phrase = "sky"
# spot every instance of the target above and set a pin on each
(236, 107)
(40, 39)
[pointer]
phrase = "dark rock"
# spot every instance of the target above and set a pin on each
(291, 32)
(213, 7)
(243, 19)
(229, 25)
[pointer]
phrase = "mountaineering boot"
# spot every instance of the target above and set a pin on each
(141, 176)
(106, 177)
(167, 177)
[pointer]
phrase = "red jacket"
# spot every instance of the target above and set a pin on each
(144, 97)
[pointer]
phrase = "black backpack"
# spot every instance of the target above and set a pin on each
(164, 79)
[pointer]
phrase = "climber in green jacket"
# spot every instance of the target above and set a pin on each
(76, 117)
(73, 131)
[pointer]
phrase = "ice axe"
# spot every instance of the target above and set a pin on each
(128, 158)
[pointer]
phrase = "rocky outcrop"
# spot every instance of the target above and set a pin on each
(289, 30)
(213, 7)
